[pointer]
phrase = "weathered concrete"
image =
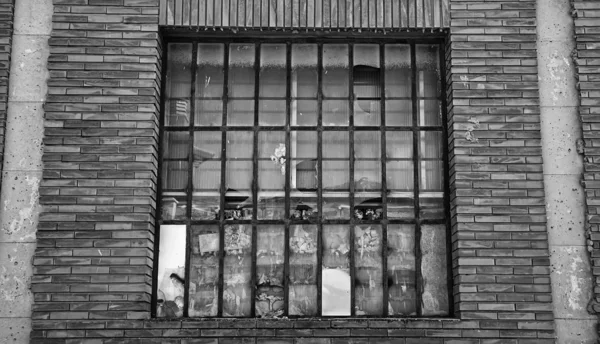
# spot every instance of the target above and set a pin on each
(563, 166)
(22, 168)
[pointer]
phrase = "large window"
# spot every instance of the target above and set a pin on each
(302, 179)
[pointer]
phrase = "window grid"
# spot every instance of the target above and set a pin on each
(415, 129)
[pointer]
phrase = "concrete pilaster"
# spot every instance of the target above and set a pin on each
(563, 167)
(22, 169)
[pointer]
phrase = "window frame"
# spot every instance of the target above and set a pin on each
(310, 38)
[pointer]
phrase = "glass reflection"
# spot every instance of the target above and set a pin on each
(303, 270)
(171, 272)
(335, 276)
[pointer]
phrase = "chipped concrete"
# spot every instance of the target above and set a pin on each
(571, 278)
(22, 169)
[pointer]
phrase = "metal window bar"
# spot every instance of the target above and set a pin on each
(286, 222)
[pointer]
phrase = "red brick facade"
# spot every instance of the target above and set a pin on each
(94, 259)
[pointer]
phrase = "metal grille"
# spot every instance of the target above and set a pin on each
(233, 111)
(306, 14)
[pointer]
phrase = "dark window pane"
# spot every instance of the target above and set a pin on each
(366, 72)
(401, 270)
(273, 75)
(269, 271)
(434, 270)
(209, 75)
(204, 272)
(174, 206)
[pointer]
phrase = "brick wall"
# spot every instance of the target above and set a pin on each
(587, 57)
(94, 259)
(6, 29)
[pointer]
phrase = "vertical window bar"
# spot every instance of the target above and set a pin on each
(416, 167)
(319, 175)
(288, 157)
(446, 180)
(351, 178)
(383, 178)
(223, 188)
(255, 175)
(400, 14)
(190, 186)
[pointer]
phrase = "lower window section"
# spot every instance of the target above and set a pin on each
(302, 270)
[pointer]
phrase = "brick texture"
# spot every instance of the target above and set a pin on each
(587, 58)
(93, 265)
(6, 29)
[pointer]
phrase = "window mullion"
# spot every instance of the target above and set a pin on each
(351, 177)
(416, 168)
(286, 211)
(319, 175)
(383, 179)
(255, 177)
(223, 189)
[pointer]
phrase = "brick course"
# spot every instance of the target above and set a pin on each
(93, 264)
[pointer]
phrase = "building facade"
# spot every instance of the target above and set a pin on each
(307, 171)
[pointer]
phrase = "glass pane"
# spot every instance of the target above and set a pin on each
(368, 277)
(273, 72)
(208, 113)
(304, 70)
(397, 71)
(237, 275)
(367, 145)
(171, 272)
(175, 175)
(207, 146)
(209, 77)
(335, 113)
(240, 112)
(271, 175)
(335, 70)
(238, 182)
(367, 112)
(303, 270)
(271, 112)
(241, 70)
(429, 112)
(177, 112)
(303, 176)
(434, 270)
(335, 278)
(400, 183)
(401, 270)
(366, 72)
(428, 70)
(398, 145)
(204, 272)
(304, 112)
(336, 144)
(269, 271)
(431, 175)
(336, 175)
(398, 113)
(432, 207)
(367, 188)
(174, 206)
(430, 144)
(207, 175)
(176, 145)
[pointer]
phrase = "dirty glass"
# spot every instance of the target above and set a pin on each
(303, 270)
(269, 299)
(310, 181)
(171, 272)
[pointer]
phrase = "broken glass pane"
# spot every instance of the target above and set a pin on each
(434, 270)
(269, 271)
(303, 270)
(335, 276)
(368, 277)
(402, 299)
(204, 271)
(171, 272)
(237, 274)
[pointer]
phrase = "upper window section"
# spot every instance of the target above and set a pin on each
(303, 179)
